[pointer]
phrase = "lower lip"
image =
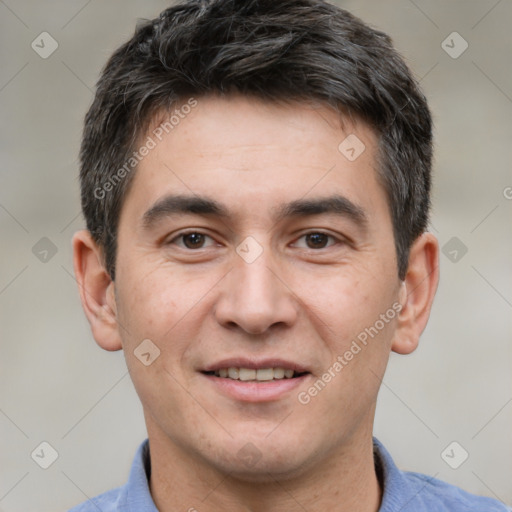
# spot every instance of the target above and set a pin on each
(256, 391)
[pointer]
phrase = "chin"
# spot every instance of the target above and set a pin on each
(267, 470)
(264, 460)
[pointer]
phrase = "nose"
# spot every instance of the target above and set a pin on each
(255, 296)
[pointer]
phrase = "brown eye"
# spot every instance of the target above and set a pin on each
(193, 240)
(317, 240)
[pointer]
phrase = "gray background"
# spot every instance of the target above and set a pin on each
(58, 386)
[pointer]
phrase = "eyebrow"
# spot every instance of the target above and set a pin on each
(202, 205)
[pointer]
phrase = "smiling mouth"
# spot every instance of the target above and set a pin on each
(255, 375)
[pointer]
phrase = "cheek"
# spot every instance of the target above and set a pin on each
(152, 305)
(169, 308)
(347, 302)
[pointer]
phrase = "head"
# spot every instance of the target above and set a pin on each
(292, 139)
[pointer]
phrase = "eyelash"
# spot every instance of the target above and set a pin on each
(184, 234)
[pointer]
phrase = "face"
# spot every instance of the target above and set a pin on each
(277, 255)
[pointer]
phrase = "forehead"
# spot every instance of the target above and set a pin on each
(238, 122)
(253, 154)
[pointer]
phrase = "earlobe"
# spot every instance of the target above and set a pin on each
(96, 291)
(417, 293)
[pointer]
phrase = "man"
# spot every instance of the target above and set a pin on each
(255, 180)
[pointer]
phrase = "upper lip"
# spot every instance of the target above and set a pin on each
(256, 364)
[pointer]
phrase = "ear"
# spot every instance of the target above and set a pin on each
(96, 291)
(417, 293)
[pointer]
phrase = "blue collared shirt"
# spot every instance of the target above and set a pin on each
(403, 491)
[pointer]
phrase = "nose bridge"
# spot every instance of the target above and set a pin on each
(254, 297)
(257, 282)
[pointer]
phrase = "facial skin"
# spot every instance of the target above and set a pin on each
(297, 301)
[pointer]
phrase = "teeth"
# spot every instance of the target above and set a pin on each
(278, 373)
(246, 374)
(262, 374)
(265, 374)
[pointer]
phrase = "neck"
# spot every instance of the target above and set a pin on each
(344, 481)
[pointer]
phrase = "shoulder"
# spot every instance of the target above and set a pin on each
(408, 491)
(134, 495)
(106, 502)
(442, 496)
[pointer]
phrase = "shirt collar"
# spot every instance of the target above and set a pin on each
(135, 496)
(397, 492)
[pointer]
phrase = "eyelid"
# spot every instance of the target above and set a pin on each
(182, 234)
(338, 240)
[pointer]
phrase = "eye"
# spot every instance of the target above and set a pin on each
(316, 240)
(191, 240)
